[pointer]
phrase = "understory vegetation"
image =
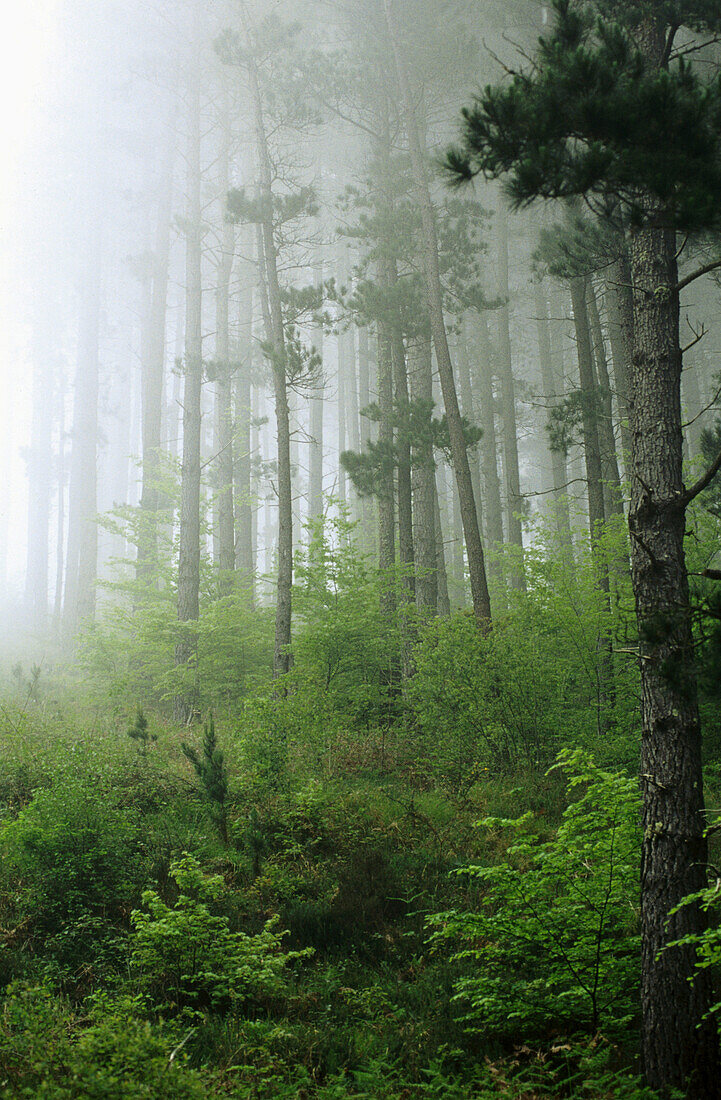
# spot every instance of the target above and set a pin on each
(333, 886)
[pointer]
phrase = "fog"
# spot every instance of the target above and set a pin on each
(124, 124)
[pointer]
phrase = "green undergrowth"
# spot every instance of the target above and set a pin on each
(165, 934)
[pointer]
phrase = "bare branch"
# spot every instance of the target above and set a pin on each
(714, 265)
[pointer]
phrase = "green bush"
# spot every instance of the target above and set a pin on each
(187, 957)
(553, 943)
(112, 1053)
(495, 702)
(73, 863)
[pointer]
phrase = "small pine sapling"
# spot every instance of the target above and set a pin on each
(141, 734)
(210, 767)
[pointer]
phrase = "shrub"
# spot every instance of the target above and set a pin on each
(553, 944)
(187, 957)
(73, 863)
(493, 701)
(47, 1051)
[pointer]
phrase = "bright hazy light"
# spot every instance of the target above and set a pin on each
(28, 36)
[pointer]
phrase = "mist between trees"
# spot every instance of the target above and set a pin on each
(364, 423)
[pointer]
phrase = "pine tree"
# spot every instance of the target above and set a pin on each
(212, 772)
(611, 113)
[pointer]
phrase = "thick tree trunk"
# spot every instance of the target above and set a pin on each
(514, 500)
(189, 555)
(678, 1045)
(471, 530)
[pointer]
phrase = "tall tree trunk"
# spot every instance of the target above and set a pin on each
(458, 558)
(620, 329)
(514, 500)
(551, 395)
(471, 530)
(315, 464)
(444, 601)
(82, 550)
(60, 482)
(424, 483)
(352, 416)
(224, 462)
(468, 410)
(276, 340)
(39, 482)
(243, 450)
(386, 491)
(341, 418)
(153, 370)
(594, 481)
(364, 400)
(612, 493)
(679, 1042)
(676, 1040)
(493, 510)
(189, 556)
(589, 407)
(403, 451)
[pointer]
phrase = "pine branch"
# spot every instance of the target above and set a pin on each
(703, 482)
(698, 274)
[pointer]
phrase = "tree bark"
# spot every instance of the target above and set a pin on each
(678, 1045)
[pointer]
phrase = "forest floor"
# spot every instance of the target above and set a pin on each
(136, 954)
